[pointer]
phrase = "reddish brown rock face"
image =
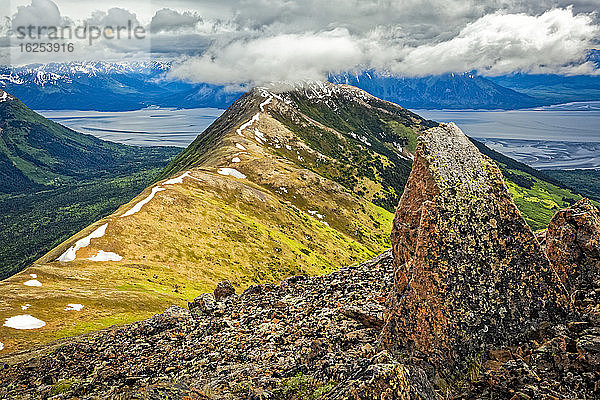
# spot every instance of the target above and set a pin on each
(573, 245)
(470, 273)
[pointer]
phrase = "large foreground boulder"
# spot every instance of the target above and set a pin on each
(469, 273)
(573, 245)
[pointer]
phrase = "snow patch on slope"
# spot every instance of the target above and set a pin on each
(177, 180)
(71, 253)
(259, 136)
(74, 307)
(24, 322)
(33, 282)
(231, 172)
(264, 103)
(141, 204)
(105, 256)
(316, 213)
(254, 119)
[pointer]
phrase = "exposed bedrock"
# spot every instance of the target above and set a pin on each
(469, 273)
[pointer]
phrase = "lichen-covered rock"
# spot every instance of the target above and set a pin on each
(541, 238)
(561, 363)
(469, 272)
(573, 245)
(202, 305)
(223, 290)
(385, 378)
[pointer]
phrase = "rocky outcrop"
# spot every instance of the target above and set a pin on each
(305, 338)
(223, 290)
(469, 272)
(573, 245)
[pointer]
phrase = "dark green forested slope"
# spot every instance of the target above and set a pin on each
(585, 181)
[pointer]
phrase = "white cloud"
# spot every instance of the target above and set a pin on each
(255, 41)
(38, 13)
(276, 58)
(501, 43)
(171, 20)
(553, 42)
(113, 17)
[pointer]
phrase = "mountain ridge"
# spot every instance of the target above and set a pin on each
(447, 91)
(465, 249)
(286, 182)
(248, 207)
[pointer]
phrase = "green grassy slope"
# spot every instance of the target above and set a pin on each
(374, 147)
(273, 218)
(55, 181)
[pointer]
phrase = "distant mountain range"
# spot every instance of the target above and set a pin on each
(553, 89)
(454, 91)
(106, 86)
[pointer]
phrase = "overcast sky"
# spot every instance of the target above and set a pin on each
(236, 42)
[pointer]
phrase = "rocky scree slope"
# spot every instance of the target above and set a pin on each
(266, 192)
(339, 336)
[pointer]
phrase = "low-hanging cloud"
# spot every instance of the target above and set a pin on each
(555, 41)
(246, 42)
(308, 56)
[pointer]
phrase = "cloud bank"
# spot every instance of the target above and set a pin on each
(249, 42)
(498, 43)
